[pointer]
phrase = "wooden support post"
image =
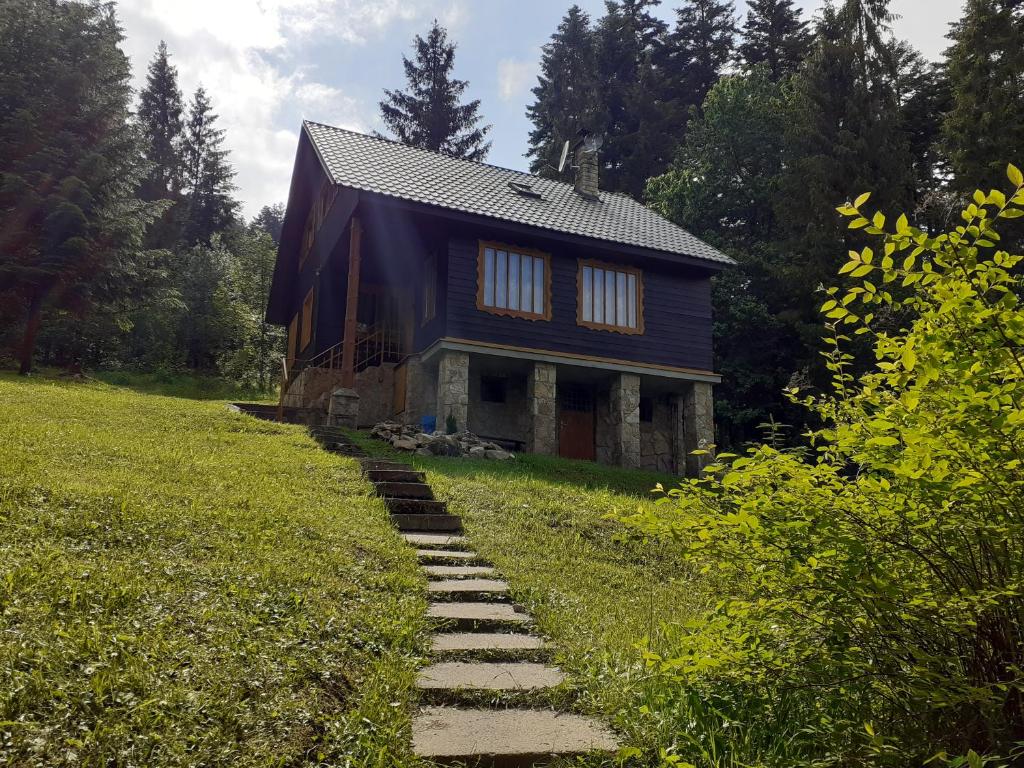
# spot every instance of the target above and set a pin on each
(348, 350)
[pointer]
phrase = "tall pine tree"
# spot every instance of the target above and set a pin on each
(160, 115)
(775, 35)
(636, 144)
(566, 96)
(429, 114)
(207, 174)
(71, 227)
(698, 50)
(985, 127)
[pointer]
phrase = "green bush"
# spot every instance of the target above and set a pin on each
(876, 577)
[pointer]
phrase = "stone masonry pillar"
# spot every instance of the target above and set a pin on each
(698, 425)
(453, 389)
(540, 391)
(624, 404)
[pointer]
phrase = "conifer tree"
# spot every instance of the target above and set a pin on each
(636, 145)
(566, 95)
(160, 115)
(429, 113)
(984, 130)
(699, 48)
(71, 227)
(270, 219)
(207, 174)
(776, 36)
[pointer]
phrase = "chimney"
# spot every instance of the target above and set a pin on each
(586, 174)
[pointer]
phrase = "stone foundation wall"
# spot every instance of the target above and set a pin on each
(541, 394)
(453, 389)
(420, 392)
(657, 450)
(509, 420)
(312, 388)
(376, 388)
(617, 421)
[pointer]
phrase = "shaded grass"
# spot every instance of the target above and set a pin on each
(185, 385)
(181, 585)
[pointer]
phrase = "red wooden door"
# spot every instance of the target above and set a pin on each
(576, 423)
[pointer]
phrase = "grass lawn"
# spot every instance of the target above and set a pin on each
(185, 586)
(598, 593)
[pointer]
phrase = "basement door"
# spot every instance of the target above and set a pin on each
(576, 422)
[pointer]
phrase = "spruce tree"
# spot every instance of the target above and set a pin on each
(160, 115)
(207, 174)
(775, 35)
(984, 130)
(429, 113)
(699, 48)
(566, 95)
(71, 227)
(636, 144)
(270, 219)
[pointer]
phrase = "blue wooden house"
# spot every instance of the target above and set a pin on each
(554, 317)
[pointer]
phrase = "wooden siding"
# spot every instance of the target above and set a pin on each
(677, 312)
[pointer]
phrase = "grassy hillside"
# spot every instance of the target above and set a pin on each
(182, 585)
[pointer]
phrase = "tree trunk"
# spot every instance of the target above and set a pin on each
(28, 341)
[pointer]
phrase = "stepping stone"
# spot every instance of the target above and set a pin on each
(474, 616)
(394, 476)
(484, 641)
(399, 506)
(434, 539)
(509, 737)
(442, 522)
(456, 571)
(493, 586)
(404, 490)
(487, 676)
(369, 465)
(445, 554)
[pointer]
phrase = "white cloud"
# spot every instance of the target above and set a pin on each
(514, 77)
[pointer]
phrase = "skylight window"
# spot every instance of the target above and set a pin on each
(524, 189)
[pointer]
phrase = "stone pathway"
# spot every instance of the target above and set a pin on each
(485, 691)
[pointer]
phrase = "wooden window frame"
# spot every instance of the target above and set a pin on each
(542, 255)
(306, 329)
(609, 267)
(318, 212)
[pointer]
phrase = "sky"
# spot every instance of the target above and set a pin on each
(269, 64)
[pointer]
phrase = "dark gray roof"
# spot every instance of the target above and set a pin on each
(373, 164)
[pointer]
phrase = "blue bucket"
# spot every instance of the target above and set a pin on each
(428, 424)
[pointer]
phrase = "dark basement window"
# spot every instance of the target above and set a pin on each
(492, 389)
(647, 409)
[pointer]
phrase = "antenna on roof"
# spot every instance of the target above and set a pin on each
(565, 156)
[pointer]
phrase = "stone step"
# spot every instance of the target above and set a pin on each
(372, 465)
(471, 616)
(484, 641)
(397, 506)
(448, 557)
(421, 523)
(404, 490)
(463, 589)
(435, 540)
(488, 676)
(511, 738)
(458, 571)
(394, 476)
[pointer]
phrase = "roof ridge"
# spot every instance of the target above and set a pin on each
(436, 153)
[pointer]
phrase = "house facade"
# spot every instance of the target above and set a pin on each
(556, 318)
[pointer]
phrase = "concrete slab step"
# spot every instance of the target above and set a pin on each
(404, 490)
(510, 738)
(445, 555)
(471, 616)
(484, 641)
(488, 676)
(423, 523)
(371, 464)
(458, 571)
(435, 540)
(394, 476)
(400, 506)
(476, 586)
